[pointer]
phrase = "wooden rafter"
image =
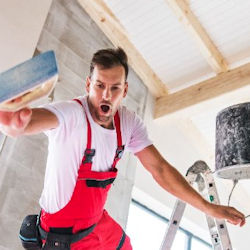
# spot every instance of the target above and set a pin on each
(211, 88)
(111, 27)
(206, 46)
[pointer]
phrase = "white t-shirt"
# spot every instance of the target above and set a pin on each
(67, 144)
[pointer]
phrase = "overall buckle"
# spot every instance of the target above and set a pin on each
(119, 152)
(89, 154)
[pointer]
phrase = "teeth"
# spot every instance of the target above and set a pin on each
(105, 108)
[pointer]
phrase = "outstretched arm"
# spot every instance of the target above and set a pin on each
(172, 181)
(27, 121)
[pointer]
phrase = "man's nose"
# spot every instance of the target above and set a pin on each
(106, 94)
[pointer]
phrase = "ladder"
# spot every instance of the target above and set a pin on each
(200, 173)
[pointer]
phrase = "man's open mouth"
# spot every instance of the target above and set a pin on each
(105, 108)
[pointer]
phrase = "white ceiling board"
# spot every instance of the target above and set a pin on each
(171, 51)
(163, 41)
(227, 24)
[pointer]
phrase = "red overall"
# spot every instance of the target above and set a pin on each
(85, 207)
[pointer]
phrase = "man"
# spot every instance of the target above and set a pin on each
(86, 139)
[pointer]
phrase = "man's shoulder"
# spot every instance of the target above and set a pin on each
(129, 117)
(65, 103)
(82, 99)
(65, 109)
(126, 111)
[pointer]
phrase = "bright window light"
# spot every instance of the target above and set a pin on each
(180, 240)
(198, 245)
(146, 230)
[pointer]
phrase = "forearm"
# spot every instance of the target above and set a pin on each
(172, 181)
(27, 122)
(41, 120)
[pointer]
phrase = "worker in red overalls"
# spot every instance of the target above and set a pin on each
(87, 137)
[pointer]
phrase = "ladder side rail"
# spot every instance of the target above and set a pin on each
(173, 225)
(175, 219)
(214, 198)
(214, 235)
(201, 168)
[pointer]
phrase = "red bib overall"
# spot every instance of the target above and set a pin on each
(85, 207)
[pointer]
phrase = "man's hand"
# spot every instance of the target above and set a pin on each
(27, 122)
(14, 123)
(230, 214)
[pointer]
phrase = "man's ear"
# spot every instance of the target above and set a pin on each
(87, 84)
(125, 89)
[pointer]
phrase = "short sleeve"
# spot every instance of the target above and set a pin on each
(138, 137)
(69, 115)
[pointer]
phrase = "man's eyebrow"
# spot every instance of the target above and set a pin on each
(118, 83)
(100, 81)
(115, 84)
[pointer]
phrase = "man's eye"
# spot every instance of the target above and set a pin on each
(115, 88)
(100, 86)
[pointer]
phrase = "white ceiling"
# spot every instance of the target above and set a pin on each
(171, 50)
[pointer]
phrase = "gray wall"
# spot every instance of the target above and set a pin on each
(74, 37)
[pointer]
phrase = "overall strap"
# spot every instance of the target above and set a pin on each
(89, 152)
(120, 147)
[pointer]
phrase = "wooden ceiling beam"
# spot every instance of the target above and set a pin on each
(205, 44)
(221, 84)
(112, 28)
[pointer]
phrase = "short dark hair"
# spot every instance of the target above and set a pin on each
(109, 58)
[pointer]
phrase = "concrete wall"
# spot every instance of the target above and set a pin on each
(74, 36)
(20, 25)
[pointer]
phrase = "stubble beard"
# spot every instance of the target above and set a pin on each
(102, 120)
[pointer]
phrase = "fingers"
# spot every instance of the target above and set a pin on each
(25, 115)
(243, 222)
(236, 217)
(21, 118)
(16, 121)
(5, 117)
(236, 221)
(12, 123)
(241, 216)
(16, 100)
(229, 214)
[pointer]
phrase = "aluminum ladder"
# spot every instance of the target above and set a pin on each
(200, 173)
